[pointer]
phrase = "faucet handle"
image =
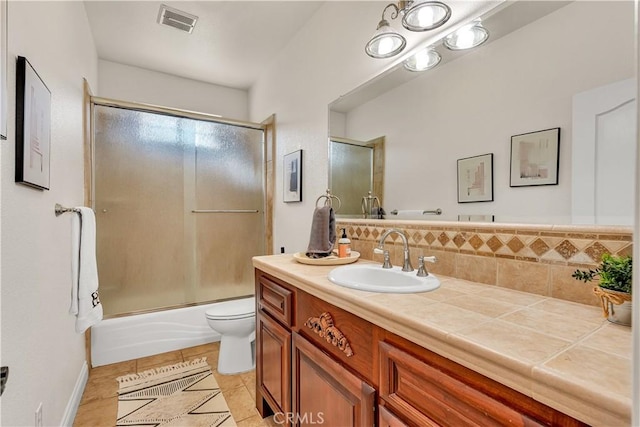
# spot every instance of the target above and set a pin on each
(429, 258)
(378, 250)
(422, 272)
(387, 260)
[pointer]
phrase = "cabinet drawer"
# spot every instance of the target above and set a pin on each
(275, 298)
(435, 390)
(388, 419)
(348, 338)
(424, 394)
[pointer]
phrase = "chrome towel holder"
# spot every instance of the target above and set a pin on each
(328, 200)
(59, 209)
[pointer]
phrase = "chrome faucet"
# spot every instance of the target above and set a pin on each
(380, 248)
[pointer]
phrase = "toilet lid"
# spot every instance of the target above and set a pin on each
(234, 309)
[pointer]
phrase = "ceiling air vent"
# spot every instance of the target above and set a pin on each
(176, 18)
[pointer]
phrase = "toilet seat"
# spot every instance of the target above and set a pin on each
(233, 310)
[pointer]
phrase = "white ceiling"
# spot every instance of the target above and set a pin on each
(230, 45)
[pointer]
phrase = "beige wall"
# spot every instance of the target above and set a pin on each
(39, 343)
(127, 83)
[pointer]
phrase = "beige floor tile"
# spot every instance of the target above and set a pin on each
(249, 380)
(97, 413)
(227, 382)
(255, 421)
(100, 388)
(114, 370)
(158, 360)
(240, 403)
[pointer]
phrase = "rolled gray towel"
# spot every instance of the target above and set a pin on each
(323, 233)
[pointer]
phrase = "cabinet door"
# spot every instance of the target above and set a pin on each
(324, 392)
(273, 365)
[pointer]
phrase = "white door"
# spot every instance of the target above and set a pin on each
(603, 154)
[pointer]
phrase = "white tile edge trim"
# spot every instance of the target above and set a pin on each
(76, 396)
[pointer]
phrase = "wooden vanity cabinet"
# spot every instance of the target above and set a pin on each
(274, 319)
(319, 364)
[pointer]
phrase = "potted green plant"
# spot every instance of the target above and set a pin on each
(614, 275)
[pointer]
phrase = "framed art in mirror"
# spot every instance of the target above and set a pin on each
(33, 127)
(475, 179)
(535, 158)
(293, 177)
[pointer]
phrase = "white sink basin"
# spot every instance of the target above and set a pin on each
(374, 278)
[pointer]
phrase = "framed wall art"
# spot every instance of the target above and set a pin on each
(475, 179)
(535, 158)
(33, 127)
(293, 177)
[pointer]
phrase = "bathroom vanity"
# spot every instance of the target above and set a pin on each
(336, 356)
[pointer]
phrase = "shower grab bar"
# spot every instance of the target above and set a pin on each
(59, 209)
(225, 211)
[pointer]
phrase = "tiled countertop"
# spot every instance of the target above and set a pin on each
(560, 353)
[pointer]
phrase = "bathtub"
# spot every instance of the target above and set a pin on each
(131, 337)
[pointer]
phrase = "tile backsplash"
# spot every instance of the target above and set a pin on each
(527, 257)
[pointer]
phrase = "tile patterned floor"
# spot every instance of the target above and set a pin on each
(99, 403)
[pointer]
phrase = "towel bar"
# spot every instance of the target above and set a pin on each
(225, 211)
(433, 212)
(59, 209)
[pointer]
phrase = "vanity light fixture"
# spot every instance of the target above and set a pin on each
(386, 42)
(418, 15)
(471, 35)
(423, 60)
(425, 15)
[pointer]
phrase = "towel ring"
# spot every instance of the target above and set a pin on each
(328, 200)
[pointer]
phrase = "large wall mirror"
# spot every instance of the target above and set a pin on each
(567, 65)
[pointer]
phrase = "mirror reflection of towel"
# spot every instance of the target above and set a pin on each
(323, 233)
(378, 213)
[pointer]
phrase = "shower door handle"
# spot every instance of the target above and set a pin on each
(225, 211)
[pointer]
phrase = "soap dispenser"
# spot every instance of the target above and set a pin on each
(344, 245)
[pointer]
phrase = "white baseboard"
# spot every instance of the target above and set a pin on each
(76, 396)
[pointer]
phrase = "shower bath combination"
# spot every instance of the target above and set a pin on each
(170, 192)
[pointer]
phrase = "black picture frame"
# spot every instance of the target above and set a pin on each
(33, 127)
(292, 166)
(475, 179)
(535, 158)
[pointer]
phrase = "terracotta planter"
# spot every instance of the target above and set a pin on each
(616, 306)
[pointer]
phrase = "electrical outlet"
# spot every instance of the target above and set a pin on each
(39, 416)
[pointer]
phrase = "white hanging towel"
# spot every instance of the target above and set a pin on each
(85, 301)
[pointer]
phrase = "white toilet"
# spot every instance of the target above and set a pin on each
(235, 320)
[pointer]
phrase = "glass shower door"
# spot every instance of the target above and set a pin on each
(229, 209)
(139, 197)
(179, 209)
